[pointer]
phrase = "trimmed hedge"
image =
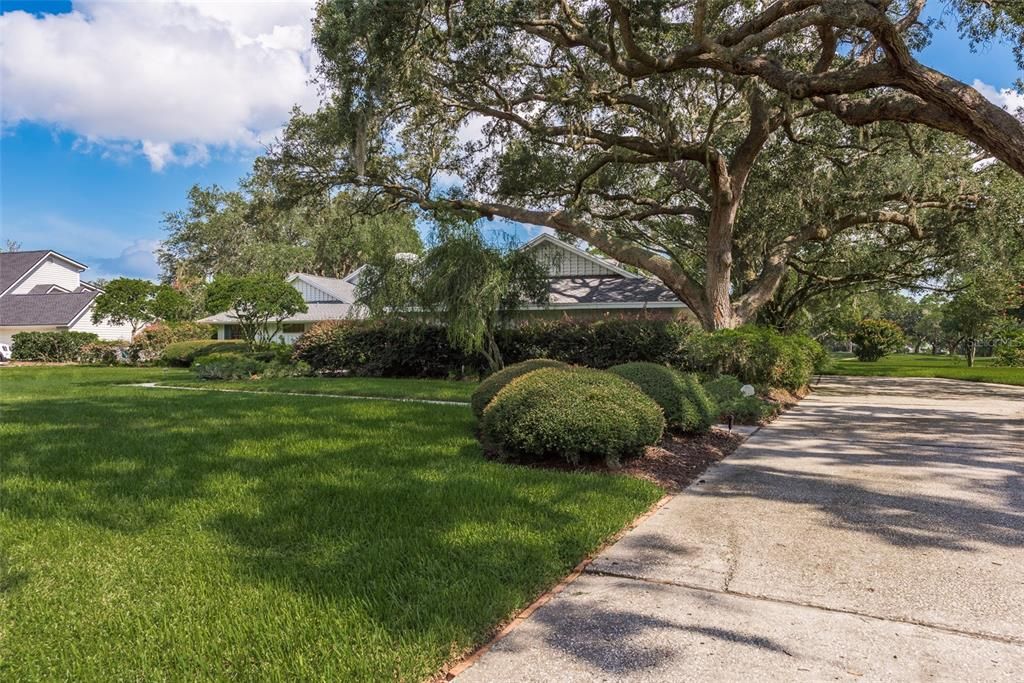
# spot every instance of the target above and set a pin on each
(51, 347)
(150, 342)
(577, 414)
(686, 405)
(494, 383)
(391, 348)
(229, 365)
(183, 354)
(412, 348)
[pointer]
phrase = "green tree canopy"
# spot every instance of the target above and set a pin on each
(260, 303)
(651, 165)
(248, 230)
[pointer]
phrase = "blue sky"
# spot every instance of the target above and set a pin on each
(103, 134)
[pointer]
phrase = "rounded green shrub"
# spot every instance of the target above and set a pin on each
(874, 339)
(494, 383)
(686, 405)
(577, 414)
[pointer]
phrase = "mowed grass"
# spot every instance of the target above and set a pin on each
(179, 535)
(925, 365)
(371, 387)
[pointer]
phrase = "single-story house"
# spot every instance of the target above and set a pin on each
(42, 291)
(582, 286)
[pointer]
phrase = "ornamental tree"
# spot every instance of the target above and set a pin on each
(260, 303)
(125, 301)
(583, 129)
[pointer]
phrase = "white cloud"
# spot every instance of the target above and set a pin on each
(136, 260)
(1008, 98)
(166, 79)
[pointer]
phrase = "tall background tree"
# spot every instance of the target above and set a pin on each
(650, 162)
(238, 232)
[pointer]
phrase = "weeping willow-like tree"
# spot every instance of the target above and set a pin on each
(469, 285)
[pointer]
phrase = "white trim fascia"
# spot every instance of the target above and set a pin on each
(58, 288)
(79, 315)
(348, 278)
(544, 237)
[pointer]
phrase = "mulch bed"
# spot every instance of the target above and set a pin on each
(678, 460)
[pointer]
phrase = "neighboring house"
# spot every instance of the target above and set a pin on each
(583, 286)
(328, 298)
(42, 291)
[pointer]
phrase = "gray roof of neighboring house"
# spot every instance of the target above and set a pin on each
(15, 264)
(610, 291)
(43, 309)
(315, 313)
(337, 287)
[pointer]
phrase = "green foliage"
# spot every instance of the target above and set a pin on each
(50, 347)
(226, 365)
(469, 285)
(183, 354)
(686, 405)
(222, 232)
(125, 301)
(173, 305)
(384, 348)
(1010, 349)
(104, 353)
(490, 386)
(760, 356)
(874, 339)
(577, 414)
(255, 301)
(151, 340)
(725, 392)
(601, 343)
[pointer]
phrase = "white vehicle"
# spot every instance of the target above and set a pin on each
(5, 353)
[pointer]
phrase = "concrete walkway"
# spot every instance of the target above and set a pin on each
(876, 531)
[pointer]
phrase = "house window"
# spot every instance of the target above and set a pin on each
(232, 331)
(293, 328)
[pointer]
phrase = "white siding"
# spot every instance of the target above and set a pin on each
(564, 263)
(312, 294)
(104, 329)
(53, 271)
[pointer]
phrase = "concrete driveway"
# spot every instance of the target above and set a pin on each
(876, 531)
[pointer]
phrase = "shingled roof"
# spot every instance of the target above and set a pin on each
(610, 291)
(43, 309)
(14, 265)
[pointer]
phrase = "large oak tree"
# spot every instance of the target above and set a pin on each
(635, 126)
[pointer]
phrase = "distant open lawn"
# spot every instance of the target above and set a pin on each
(178, 535)
(925, 365)
(374, 387)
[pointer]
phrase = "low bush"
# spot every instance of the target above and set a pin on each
(389, 348)
(686, 405)
(51, 347)
(183, 354)
(150, 342)
(226, 366)
(725, 390)
(104, 353)
(288, 368)
(1010, 349)
(600, 343)
(752, 410)
(577, 414)
(494, 383)
(875, 339)
(758, 355)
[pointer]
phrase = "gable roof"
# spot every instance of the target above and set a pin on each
(44, 309)
(545, 238)
(339, 288)
(16, 265)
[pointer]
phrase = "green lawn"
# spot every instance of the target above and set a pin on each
(434, 389)
(179, 535)
(924, 365)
